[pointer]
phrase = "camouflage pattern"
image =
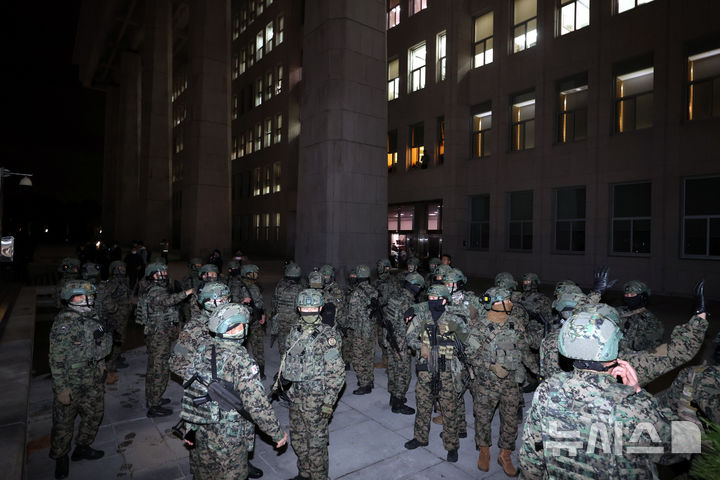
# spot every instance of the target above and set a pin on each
(695, 393)
(536, 303)
(66, 277)
(551, 362)
(564, 408)
(398, 363)
(77, 365)
(450, 326)
(118, 289)
(641, 329)
(284, 313)
(192, 280)
(318, 376)
(386, 287)
(589, 335)
(256, 337)
(362, 332)
(194, 338)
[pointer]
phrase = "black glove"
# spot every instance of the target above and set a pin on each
(699, 292)
(98, 334)
(328, 314)
(409, 313)
(601, 283)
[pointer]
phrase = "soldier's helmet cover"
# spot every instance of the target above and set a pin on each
(213, 295)
(590, 336)
(227, 317)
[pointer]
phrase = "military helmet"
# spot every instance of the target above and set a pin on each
(194, 262)
(362, 271)
(228, 316)
(414, 262)
(589, 336)
(415, 278)
(493, 295)
(601, 309)
(565, 286)
(532, 278)
(505, 280)
(327, 271)
(382, 265)
(69, 265)
(637, 287)
(439, 291)
(292, 270)
(90, 270)
(310, 297)
(315, 279)
(441, 270)
(453, 276)
(76, 287)
(153, 268)
(568, 301)
(249, 268)
(212, 293)
(209, 268)
(433, 263)
(233, 265)
(118, 267)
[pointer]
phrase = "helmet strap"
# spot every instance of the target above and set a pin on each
(593, 365)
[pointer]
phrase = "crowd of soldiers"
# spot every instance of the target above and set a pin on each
(588, 361)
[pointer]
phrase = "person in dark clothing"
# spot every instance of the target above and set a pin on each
(135, 266)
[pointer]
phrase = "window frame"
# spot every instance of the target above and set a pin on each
(575, 84)
(616, 6)
(522, 222)
(632, 220)
(484, 42)
(441, 61)
(559, 8)
(393, 13)
(684, 217)
(521, 125)
(393, 83)
(524, 24)
(619, 106)
(422, 70)
(484, 224)
(572, 222)
(692, 83)
(483, 136)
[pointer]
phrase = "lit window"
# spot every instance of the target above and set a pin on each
(243, 20)
(259, 43)
(236, 27)
(277, 227)
(279, 80)
(393, 14)
(625, 5)
(520, 220)
(258, 137)
(268, 181)
(235, 107)
(235, 67)
(573, 103)
(279, 35)
(277, 176)
(483, 40)
(241, 146)
(268, 132)
(441, 66)
(257, 181)
(259, 92)
(278, 127)
(573, 15)
(440, 140)
(251, 54)
(268, 3)
(416, 61)
(523, 122)
(482, 126)
(392, 156)
(393, 79)
(524, 24)
(257, 224)
(260, 7)
(243, 61)
(269, 37)
(634, 100)
(479, 230)
(251, 8)
(631, 218)
(249, 143)
(414, 6)
(434, 217)
(701, 217)
(704, 85)
(570, 220)
(233, 151)
(417, 144)
(269, 86)
(407, 217)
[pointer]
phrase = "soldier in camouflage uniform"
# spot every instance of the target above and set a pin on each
(534, 301)
(641, 328)
(256, 336)
(315, 279)
(157, 312)
(362, 333)
(399, 359)
(568, 408)
(70, 270)
(192, 280)
(434, 334)
(284, 311)
(497, 349)
(433, 264)
(333, 293)
(207, 273)
(695, 393)
(223, 437)
(386, 287)
(314, 365)
(118, 289)
(78, 347)
(238, 292)
(105, 307)
(550, 360)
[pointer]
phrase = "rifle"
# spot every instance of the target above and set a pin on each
(434, 361)
(279, 389)
(377, 312)
(468, 377)
(255, 313)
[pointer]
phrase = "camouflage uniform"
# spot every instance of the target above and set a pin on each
(191, 281)
(398, 363)
(256, 337)
(536, 303)
(641, 329)
(284, 312)
(314, 364)
(695, 392)
(118, 289)
(362, 333)
(238, 290)
(162, 317)
(77, 366)
(66, 277)
(192, 341)
(386, 288)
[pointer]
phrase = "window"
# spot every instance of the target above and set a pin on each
(280, 33)
(243, 20)
(441, 64)
(393, 79)
(625, 5)
(573, 103)
(524, 24)
(417, 144)
(251, 54)
(258, 137)
(701, 217)
(434, 217)
(276, 224)
(257, 182)
(277, 176)
(416, 60)
(483, 40)
(257, 224)
(268, 37)
(259, 43)
(268, 3)
(573, 15)
(241, 146)
(233, 150)
(259, 92)
(414, 6)
(523, 122)
(268, 132)
(235, 67)
(249, 144)
(631, 218)
(440, 140)
(243, 61)
(260, 7)
(482, 124)
(279, 80)
(269, 86)
(704, 85)
(267, 226)
(520, 220)
(392, 156)
(400, 218)
(251, 8)
(267, 187)
(236, 27)
(393, 14)
(235, 105)
(570, 220)
(479, 230)
(634, 100)
(278, 128)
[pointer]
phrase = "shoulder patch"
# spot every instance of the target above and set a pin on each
(254, 369)
(332, 342)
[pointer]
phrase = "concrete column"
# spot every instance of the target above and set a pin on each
(206, 175)
(342, 178)
(111, 163)
(128, 148)
(157, 123)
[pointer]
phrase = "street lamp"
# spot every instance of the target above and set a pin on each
(7, 244)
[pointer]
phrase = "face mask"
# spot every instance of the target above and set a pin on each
(527, 287)
(634, 302)
(436, 305)
(310, 318)
(411, 268)
(412, 288)
(86, 307)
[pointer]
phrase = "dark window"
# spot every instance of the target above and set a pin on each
(570, 219)
(631, 218)
(701, 219)
(520, 220)
(479, 230)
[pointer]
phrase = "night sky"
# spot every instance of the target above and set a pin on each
(53, 126)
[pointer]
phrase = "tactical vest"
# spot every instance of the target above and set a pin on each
(92, 349)
(286, 298)
(158, 315)
(358, 306)
(141, 313)
(304, 360)
(500, 347)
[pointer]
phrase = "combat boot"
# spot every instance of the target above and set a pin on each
(262, 372)
(506, 463)
(62, 467)
(399, 407)
(452, 455)
(362, 390)
(484, 459)
(158, 411)
(86, 452)
(415, 443)
(253, 471)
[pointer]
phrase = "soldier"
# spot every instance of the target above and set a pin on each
(435, 334)
(641, 329)
(70, 270)
(572, 409)
(78, 347)
(550, 360)
(333, 293)
(157, 312)
(284, 311)
(497, 349)
(192, 280)
(314, 365)
(507, 281)
(118, 289)
(433, 264)
(224, 436)
(399, 360)
(362, 334)
(256, 336)
(315, 279)
(535, 302)
(386, 287)
(238, 292)
(695, 393)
